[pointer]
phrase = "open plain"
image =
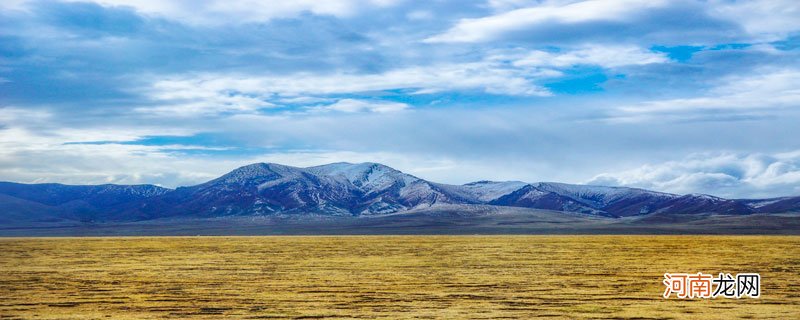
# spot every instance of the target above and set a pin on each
(388, 277)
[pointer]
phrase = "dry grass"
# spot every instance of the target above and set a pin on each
(390, 277)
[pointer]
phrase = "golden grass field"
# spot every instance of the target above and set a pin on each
(388, 277)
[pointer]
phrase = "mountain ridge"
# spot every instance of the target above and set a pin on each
(347, 189)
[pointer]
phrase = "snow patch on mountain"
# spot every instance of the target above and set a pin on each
(599, 196)
(358, 189)
(370, 177)
(486, 191)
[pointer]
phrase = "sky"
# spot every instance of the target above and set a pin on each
(675, 96)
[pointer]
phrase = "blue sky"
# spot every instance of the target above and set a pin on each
(676, 96)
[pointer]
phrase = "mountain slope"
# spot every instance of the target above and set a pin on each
(254, 189)
(487, 191)
(345, 189)
(15, 211)
(96, 195)
(529, 196)
(781, 205)
(699, 203)
(386, 190)
(625, 202)
(335, 189)
(618, 201)
(82, 203)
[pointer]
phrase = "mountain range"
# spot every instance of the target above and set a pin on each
(345, 190)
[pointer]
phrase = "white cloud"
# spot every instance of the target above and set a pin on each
(490, 27)
(510, 72)
(236, 11)
(36, 148)
(203, 94)
(33, 148)
(38, 129)
(22, 115)
(766, 89)
(722, 174)
(14, 4)
(604, 56)
(176, 99)
(761, 20)
(304, 100)
(507, 5)
(106, 163)
(353, 105)
(444, 145)
(765, 20)
(420, 15)
(29, 158)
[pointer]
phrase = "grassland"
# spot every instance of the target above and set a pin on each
(388, 277)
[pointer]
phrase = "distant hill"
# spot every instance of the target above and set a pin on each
(346, 190)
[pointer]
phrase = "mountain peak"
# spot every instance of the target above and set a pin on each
(366, 188)
(704, 197)
(486, 190)
(480, 182)
(369, 175)
(254, 174)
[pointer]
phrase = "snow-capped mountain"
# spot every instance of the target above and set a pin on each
(100, 195)
(487, 191)
(616, 201)
(334, 189)
(346, 189)
(71, 201)
(259, 189)
(385, 190)
(600, 196)
(531, 196)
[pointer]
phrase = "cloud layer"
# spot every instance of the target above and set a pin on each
(729, 175)
(679, 96)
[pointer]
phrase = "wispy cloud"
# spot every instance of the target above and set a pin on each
(234, 11)
(152, 91)
(765, 90)
(181, 101)
(513, 73)
(764, 20)
(494, 26)
(602, 56)
(201, 93)
(353, 105)
(723, 174)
